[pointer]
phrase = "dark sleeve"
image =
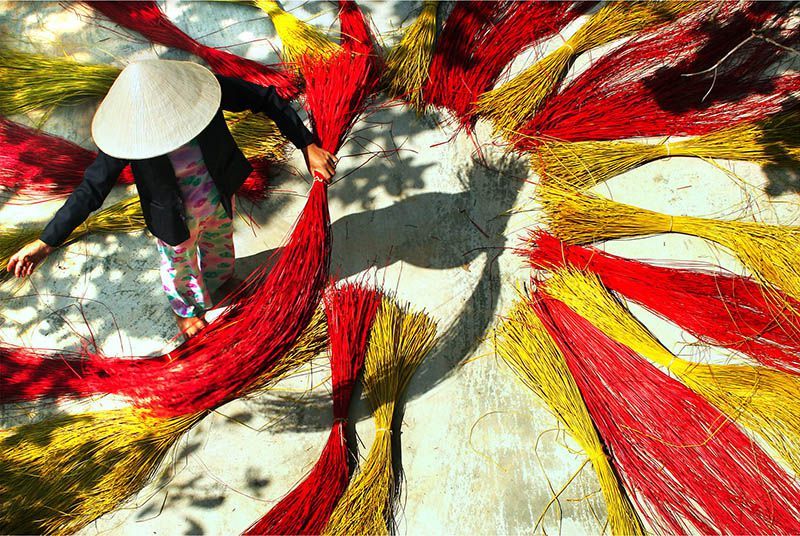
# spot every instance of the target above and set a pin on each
(239, 95)
(98, 179)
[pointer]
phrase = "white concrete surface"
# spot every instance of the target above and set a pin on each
(481, 455)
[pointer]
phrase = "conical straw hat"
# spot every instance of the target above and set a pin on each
(154, 107)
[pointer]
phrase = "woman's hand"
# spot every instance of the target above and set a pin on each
(320, 161)
(24, 261)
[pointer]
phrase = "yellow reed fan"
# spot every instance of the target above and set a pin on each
(524, 344)
(398, 342)
(297, 37)
(257, 136)
(62, 473)
(770, 252)
(30, 81)
(123, 217)
(582, 165)
(509, 105)
(408, 61)
(760, 399)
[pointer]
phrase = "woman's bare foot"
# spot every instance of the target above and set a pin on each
(190, 326)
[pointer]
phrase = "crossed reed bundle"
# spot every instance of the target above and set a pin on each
(768, 251)
(582, 165)
(525, 346)
(686, 466)
(30, 82)
(123, 217)
(408, 60)
(688, 78)
(508, 106)
(399, 341)
(146, 18)
(719, 309)
(297, 37)
(350, 310)
(762, 400)
(60, 474)
(38, 166)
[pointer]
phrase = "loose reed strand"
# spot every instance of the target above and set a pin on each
(58, 475)
(399, 341)
(123, 217)
(762, 400)
(511, 104)
(525, 346)
(407, 62)
(297, 37)
(30, 82)
(582, 165)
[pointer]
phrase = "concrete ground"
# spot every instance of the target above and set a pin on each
(432, 221)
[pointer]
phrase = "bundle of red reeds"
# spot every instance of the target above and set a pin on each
(717, 308)
(674, 81)
(357, 36)
(220, 362)
(350, 310)
(40, 166)
(146, 18)
(688, 466)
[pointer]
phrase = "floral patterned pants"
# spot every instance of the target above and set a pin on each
(202, 262)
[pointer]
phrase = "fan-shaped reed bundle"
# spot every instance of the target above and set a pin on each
(399, 341)
(30, 82)
(297, 37)
(408, 60)
(584, 164)
(770, 252)
(123, 217)
(525, 346)
(762, 400)
(511, 104)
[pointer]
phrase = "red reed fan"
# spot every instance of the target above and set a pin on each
(38, 165)
(146, 18)
(689, 467)
(350, 310)
(718, 309)
(641, 89)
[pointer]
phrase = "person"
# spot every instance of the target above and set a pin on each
(164, 119)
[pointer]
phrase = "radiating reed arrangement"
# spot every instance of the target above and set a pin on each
(678, 445)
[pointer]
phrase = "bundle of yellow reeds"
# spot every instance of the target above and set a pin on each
(408, 61)
(399, 341)
(257, 136)
(61, 473)
(31, 81)
(297, 37)
(770, 252)
(509, 105)
(524, 344)
(582, 165)
(122, 217)
(760, 399)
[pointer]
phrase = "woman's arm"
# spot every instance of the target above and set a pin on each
(239, 95)
(88, 196)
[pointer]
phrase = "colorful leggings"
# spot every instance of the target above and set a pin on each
(203, 261)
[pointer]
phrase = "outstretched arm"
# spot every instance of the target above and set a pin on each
(98, 179)
(239, 95)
